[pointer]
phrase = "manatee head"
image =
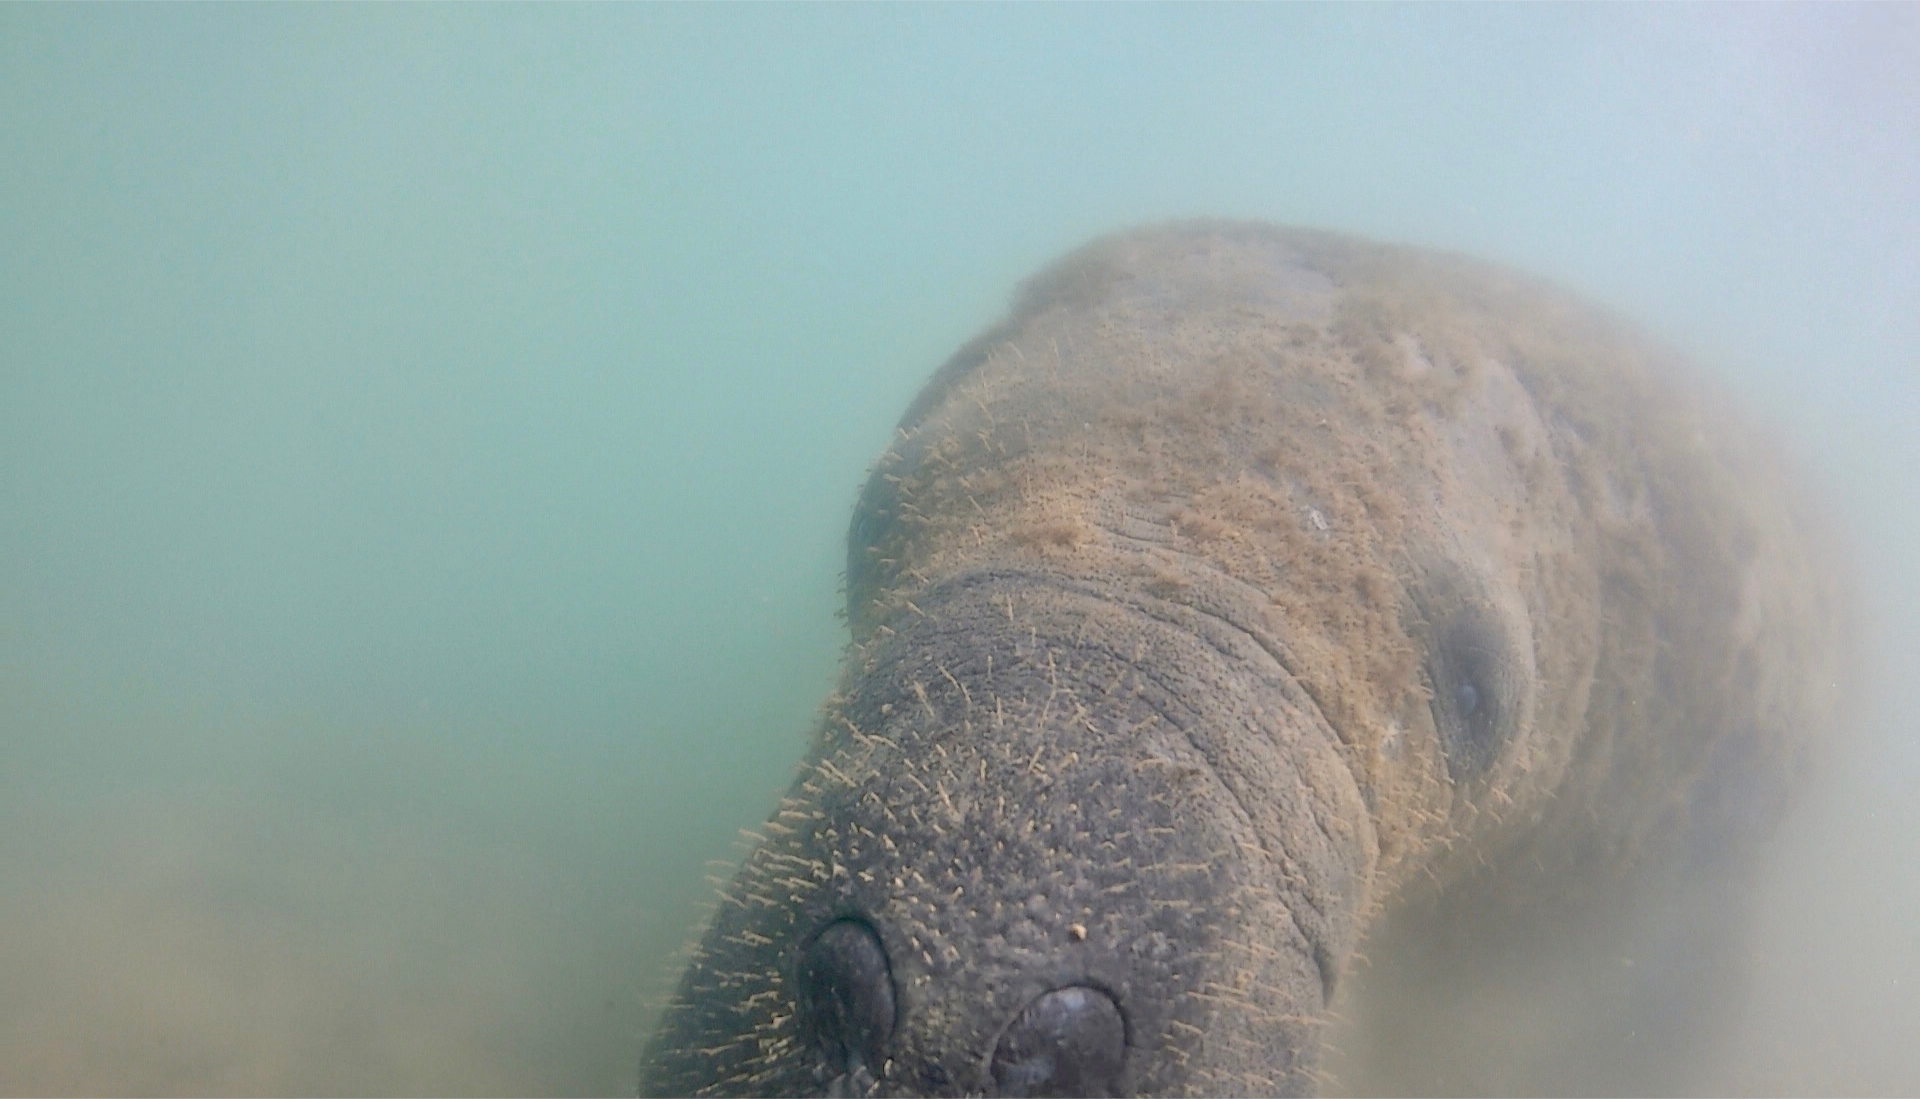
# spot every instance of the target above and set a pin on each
(1245, 587)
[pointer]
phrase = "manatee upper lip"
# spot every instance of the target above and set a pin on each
(1207, 624)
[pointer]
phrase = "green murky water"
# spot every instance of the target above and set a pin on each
(427, 433)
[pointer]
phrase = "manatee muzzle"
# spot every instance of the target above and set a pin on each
(1066, 1041)
(1049, 843)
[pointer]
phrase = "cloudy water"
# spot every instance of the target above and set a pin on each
(427, 436)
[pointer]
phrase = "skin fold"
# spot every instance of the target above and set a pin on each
(1282, 663)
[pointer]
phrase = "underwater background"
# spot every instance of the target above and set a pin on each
(428, 433)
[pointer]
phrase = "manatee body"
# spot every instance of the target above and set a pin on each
(1275, 656)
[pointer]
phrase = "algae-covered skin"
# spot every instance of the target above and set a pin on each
(1263, 634)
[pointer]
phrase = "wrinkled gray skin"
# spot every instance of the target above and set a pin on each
(1261, 636)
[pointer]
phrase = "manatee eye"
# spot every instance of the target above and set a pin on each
(1466, 699)
(846, 997)
(1472, 687)
(1070, 1041)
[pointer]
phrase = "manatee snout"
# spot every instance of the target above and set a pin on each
(1066, 1041)
(1021, 863)
(1249, 592)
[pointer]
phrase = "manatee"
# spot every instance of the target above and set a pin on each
(1283, 662)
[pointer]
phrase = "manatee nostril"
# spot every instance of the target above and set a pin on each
(1070, 1041)
(846, 996)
